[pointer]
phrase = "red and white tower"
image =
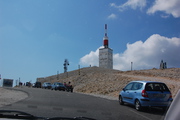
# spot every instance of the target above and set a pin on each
(105, 39)
(106, 53)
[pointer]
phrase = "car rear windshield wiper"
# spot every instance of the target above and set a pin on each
(17, 115)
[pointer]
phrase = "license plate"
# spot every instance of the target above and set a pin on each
(159, 95)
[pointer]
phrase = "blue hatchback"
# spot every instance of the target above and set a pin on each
(146, 94)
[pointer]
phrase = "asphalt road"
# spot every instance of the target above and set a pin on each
(48, 103)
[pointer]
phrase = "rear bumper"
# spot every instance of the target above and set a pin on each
(61, 88)
(49, 87)
(148, 103)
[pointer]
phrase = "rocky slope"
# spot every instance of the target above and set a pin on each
(9, 96)
(100, 81)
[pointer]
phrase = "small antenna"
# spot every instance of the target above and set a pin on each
(106, 30)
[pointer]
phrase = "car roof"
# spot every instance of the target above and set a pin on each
(46, 82)
(143, 81)
(38, 82)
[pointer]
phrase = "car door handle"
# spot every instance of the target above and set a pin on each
(134, 92)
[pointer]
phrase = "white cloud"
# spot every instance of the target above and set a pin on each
(170, 7)
(144, 55)
(112, 16)
(148, 54)
(164, 16)
(167, 6)
(91, 59)
(134, 4)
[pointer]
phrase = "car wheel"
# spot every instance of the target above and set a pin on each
(121, 101)
(138, 105)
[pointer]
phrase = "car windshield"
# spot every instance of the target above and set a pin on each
(73, 58)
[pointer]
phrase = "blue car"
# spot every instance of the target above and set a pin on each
(146, 94)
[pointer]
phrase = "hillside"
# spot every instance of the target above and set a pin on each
(100, 81)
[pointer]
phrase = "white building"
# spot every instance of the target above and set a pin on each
(106, 53)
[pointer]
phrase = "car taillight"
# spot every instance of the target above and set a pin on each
(170, 96)
(144, 94)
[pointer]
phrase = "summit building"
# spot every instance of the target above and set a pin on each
(106, 53)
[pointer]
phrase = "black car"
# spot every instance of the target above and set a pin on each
(37, 85)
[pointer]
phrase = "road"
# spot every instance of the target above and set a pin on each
(48, 103)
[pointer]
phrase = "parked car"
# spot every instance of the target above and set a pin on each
(28, 84)
(58, 86)
(33, 84)
(46, 85)
(37, 85)
(146, 94)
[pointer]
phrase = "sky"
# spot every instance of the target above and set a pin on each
(36, 36)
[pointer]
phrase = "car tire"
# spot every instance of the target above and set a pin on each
(138, 105)
(121, 101)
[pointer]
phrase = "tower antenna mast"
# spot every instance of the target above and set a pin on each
(105, 30)
(105, 39)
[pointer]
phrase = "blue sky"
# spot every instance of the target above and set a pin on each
(36, 36)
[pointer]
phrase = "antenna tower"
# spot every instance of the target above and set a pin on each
(66, 63)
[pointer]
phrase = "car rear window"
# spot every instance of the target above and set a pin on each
(60, 84)
(156, 87)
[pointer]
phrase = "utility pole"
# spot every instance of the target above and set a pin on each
(79, 69)
(19, 81)
(57, 75)
(131, 65)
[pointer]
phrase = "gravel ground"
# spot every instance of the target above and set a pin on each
(107, 83)
(8, 96)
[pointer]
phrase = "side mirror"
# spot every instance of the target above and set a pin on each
(124, 89)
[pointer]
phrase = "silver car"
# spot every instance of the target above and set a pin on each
(58, 86)
(46, 85)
